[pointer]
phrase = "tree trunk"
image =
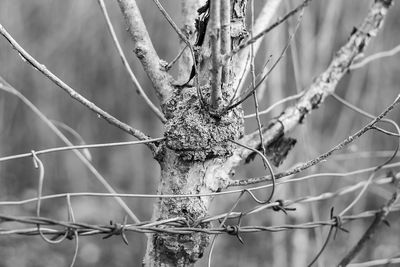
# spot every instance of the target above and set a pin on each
(192, 162)
(197, 154)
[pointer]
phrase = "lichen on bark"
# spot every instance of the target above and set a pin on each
(193, 133)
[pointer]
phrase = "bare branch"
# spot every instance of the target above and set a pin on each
(8, 88)
(184, 39)
(215, 41)
(376, 56)
(172, 23)
(225, 38)
(189, 14)
(280, 102)
(72, 147)
(72, 92)
(379, 218)
(242, 64)
(264, 75)
(323, 156)
(144, 50)
(324, 196)
(268, 29)
(323, 86)
(139, 88)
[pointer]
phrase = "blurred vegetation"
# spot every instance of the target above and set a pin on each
(71, 39)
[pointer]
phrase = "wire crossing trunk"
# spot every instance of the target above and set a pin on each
(198, 135)
(192, 158)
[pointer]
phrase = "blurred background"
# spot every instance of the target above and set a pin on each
(71, 39)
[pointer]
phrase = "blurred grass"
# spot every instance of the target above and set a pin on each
(71, 39)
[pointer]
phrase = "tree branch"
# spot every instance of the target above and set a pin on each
(189, 14)
(225, 38)
(323, 86)
(144, 50)
(215, 40)
(323, 156)
(4, 85)
(241, 66)
(379, 218)
(139, 88)
(74, 94)
(267, 30)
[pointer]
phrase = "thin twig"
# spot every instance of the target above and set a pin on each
(139, 88)
(8, 88)
(186, 41)
(385, 180)
(73, 93)
(225, 39)
(265, 76)
(323, 85)
(268, 29)
(280, 102)
(376, 56)
(72, 147)
(173, 61)
(215, 41)
(323, 156)
(379, 218)
(75, 134)
(144, 49)
(241, 64)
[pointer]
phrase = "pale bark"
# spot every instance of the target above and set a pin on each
(323, 86)
(241, 65)
(197, 155)
(215, 41)
(189, 13)
(144, 50)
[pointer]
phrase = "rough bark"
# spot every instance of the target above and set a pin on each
(197, 155)
(192, 158)
(323, 86)
(197, 145)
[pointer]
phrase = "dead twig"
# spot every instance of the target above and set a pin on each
(72, 92)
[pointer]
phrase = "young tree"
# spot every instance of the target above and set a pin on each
(201, 108)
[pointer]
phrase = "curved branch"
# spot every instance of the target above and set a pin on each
(74, 94)
(4, 85)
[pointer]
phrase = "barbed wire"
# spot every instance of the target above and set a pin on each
(56, 231)
(145, 227)
(178, 225)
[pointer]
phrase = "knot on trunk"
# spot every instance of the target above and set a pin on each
(196, 135)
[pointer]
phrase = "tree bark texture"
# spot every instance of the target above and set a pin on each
(192, 158)
(197, 155)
